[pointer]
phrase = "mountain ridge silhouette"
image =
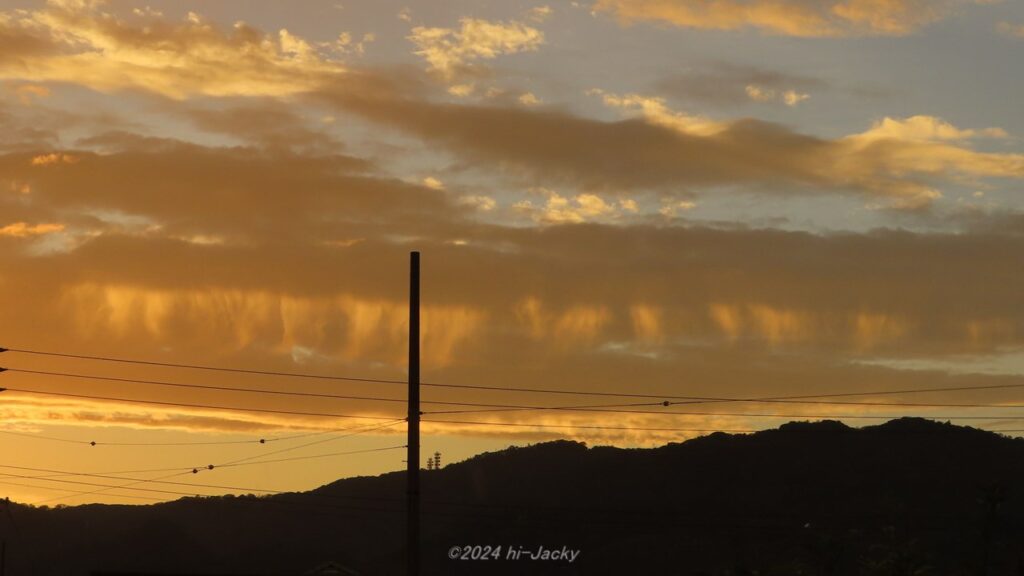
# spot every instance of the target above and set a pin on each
(908, 496)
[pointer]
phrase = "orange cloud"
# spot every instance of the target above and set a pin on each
(862, 331)
(26, 412)
(53, 158)
(573, 326)
(872, 329)
(24, 230)
(27, 92)
(342, 326)
(647, 322)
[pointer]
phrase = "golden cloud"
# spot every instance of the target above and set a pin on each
(925, 129)
(179, 177)
(340, 326)
(78, 42)
(448, 51)
(574, 307)
(826, 18)
(790, 98)
(558, 209)
(28, 412)
(53, 158)
(1011, 29)
(897, 163)
(657, 112)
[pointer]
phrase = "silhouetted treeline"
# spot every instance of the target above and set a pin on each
(910, 497)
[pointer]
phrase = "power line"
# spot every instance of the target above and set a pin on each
(75, 492)
(618, 428)
(502, 407)
(736, 414)
(662, 401)
(311, 457)
(106, 486)
(42, 437)
(195, 470)
(95, 443)
(184, 405)
(62, 473)
(343, 497)
(244, 462)
(181, 468)
(200, 367)
(585, 427)
(690, 399)
(36, 436)
(269, 440)
(188, 470)
(204, 386)
(288, 392)
(365, 430)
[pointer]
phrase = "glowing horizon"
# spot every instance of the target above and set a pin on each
(662, 198)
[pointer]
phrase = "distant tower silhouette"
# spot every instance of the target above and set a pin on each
(430, 463)
(437, 460)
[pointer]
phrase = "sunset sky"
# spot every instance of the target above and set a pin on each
(729, 199)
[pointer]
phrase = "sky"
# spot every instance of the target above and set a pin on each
(670, 198)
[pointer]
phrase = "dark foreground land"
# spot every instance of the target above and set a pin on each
(910, 497)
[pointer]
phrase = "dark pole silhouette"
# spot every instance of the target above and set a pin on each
(413, 458)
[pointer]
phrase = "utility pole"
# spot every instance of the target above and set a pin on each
(413, 456)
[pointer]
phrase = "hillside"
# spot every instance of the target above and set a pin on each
(907, 497)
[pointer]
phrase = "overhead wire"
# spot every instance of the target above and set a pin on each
(587, 427)
(690, 399)
(190, 405)
(490, 407)
(146, 444)
(183, 471)
(188, 470)
(664, 401)
(75, 492)
(736, 414)
(259, 440)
